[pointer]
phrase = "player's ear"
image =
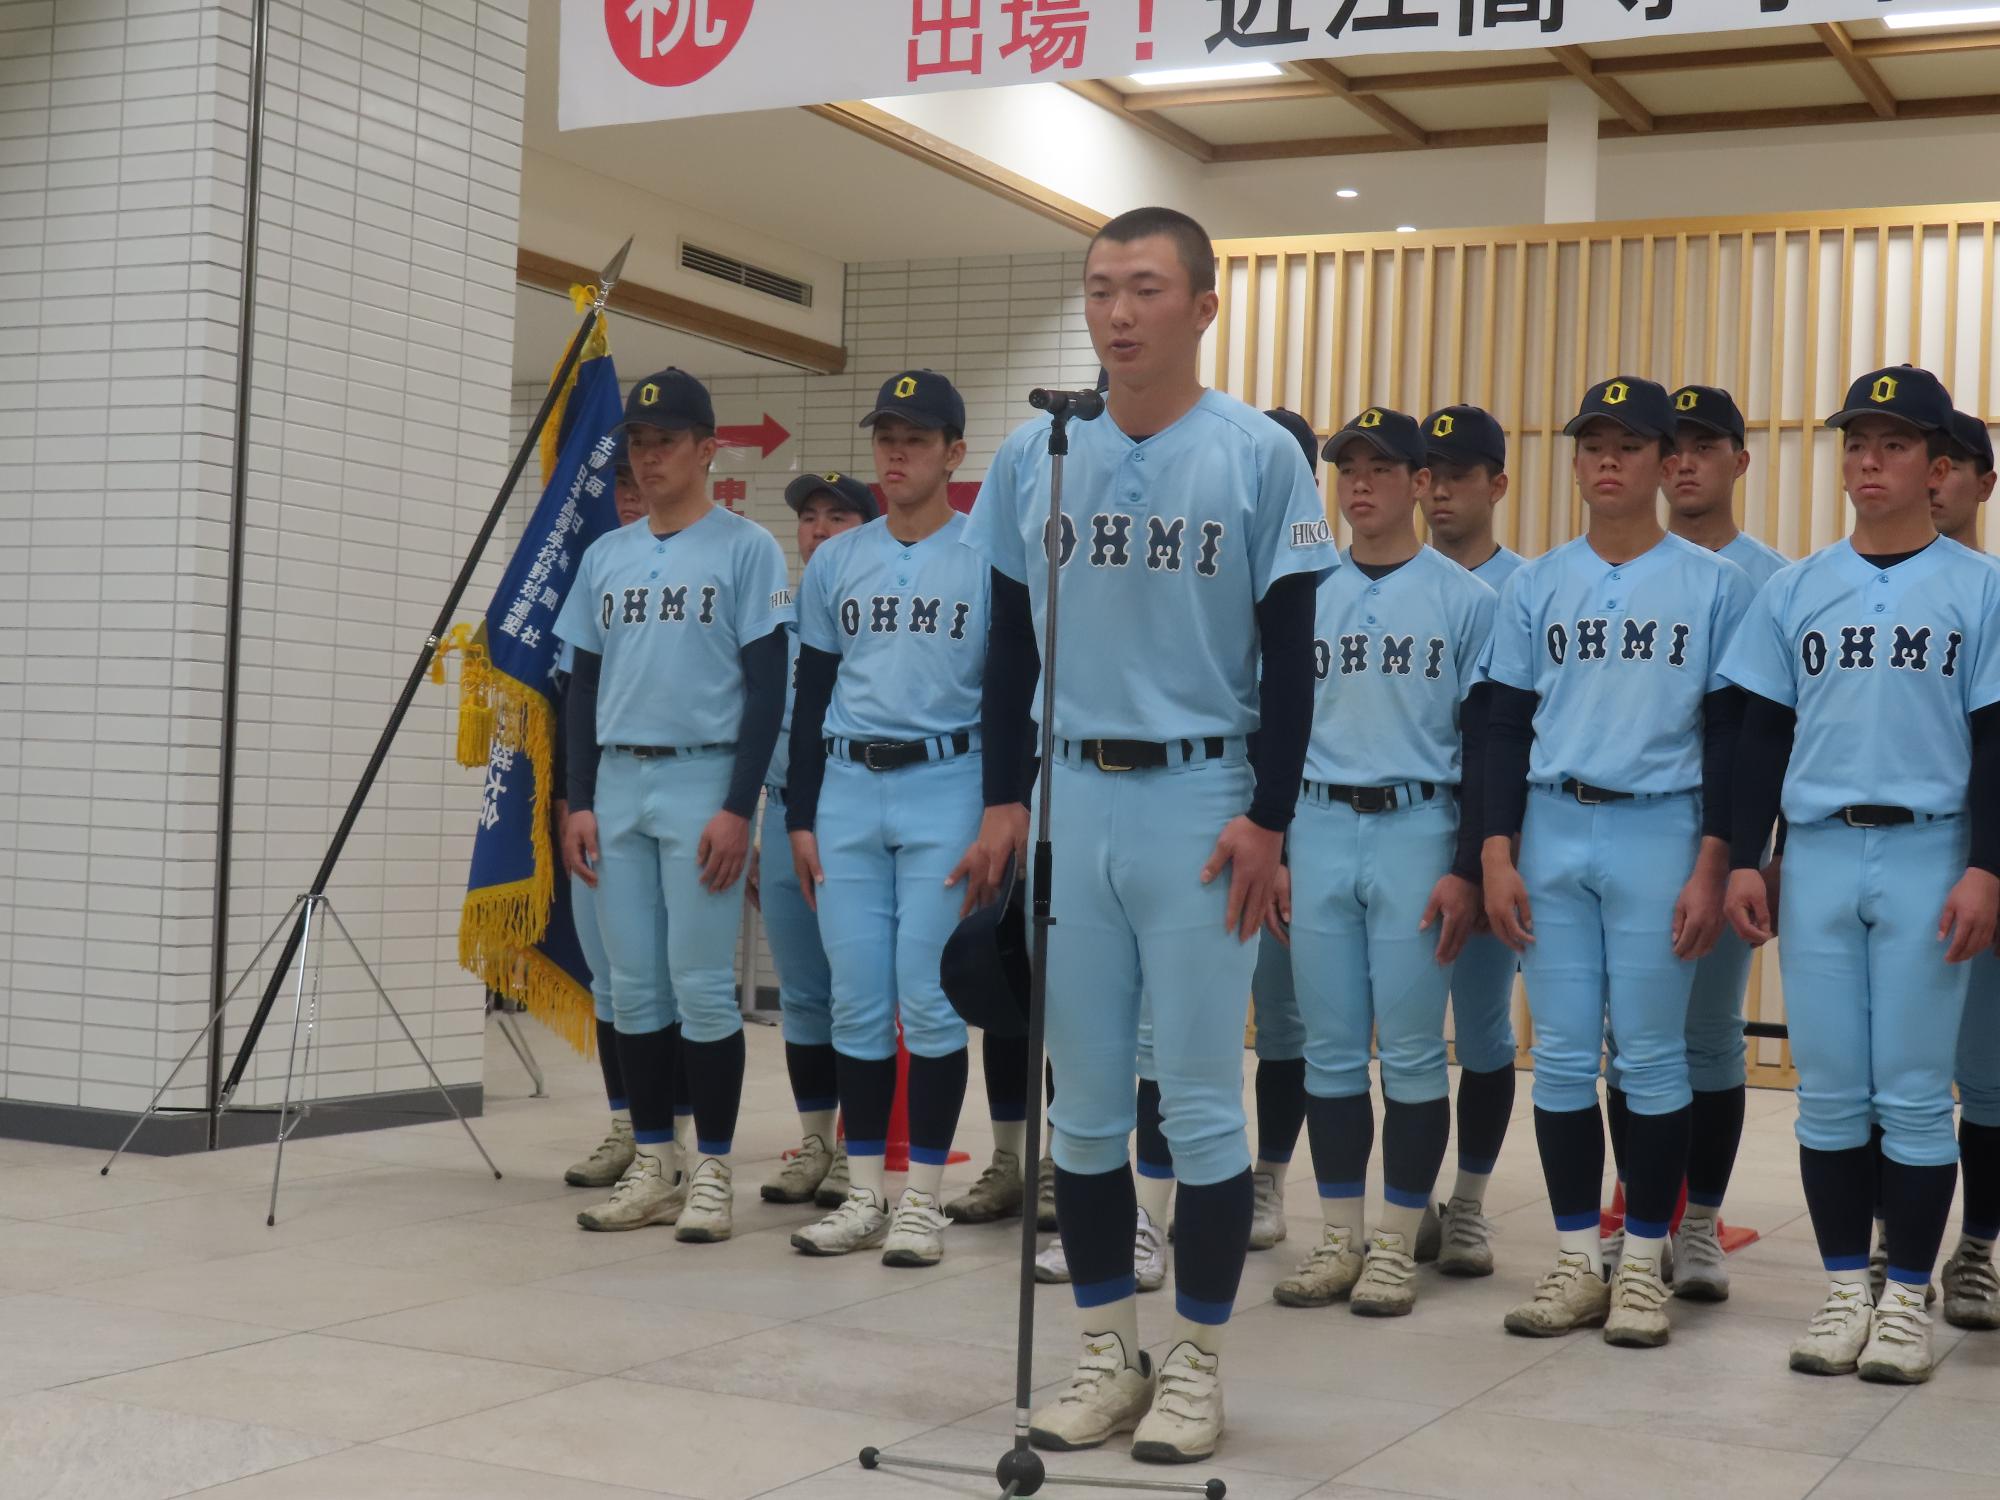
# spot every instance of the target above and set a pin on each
(954, 457)
(1986, 485)
(1940, 472)
(1499, 488)
(1204, 310)
(1742, 462)
(705, 450)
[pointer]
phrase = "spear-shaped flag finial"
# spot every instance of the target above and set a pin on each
(608, 277)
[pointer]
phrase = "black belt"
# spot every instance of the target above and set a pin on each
(1591, 796)
(1874, 815)
(1148, 755)
(893, 755)
(668, 752)
(1372, 799)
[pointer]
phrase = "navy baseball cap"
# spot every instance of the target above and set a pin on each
(1639, 406)
(621, 456)
(1466, 435)
(1393, 434)
(1903, 392)
(1709, 406)
(850, 492)
(1971, 440)
(669, 399)
(1301, 429)
(984, 967)
(923, 398)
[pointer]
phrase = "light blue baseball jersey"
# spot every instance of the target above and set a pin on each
(1883, 667)
(1756, 559)
(908, 623)
(1621, 656)
(1395, 657)
(781, 757)
(1498, 568)
(669, 615)
(1166, 548)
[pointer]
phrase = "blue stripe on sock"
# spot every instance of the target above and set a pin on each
(1341, 1189)
(618, 1105)
(712, 1148)
(816, 1106)
(1646, 1229)
(1103, 1293)
(928, 1156)
(652, 1137)
(1405, 1199)
(1909, 1277)
(867, 1148)
(1157, 1170)
(1007, 1114)
(1213, 1314)
(1565, 1223)
(1835, 1264)
(1477, 1168)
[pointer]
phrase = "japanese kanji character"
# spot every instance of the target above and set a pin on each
(530, 637)
(1394, 17)
(551, 599)
(489, 810)
(594, 486)
(1051, 30)
(1238, 34)
(600, 453)
(503, 755)
(731, 492)
(954, 24)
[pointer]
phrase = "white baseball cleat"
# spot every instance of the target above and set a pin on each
(710, 1215)
(1149, 1255)
(1323, 1277)
(1971, 1290)
(1898, 1351)
(1106, 1395)
(1638, 1315)
(916, 1231)
(1833, 1340)
(860, 1223)
(833, 1188)
(608, 1162)
(1465, 1239)
(643, 1196)
(996, 1195)
(1388, 1284)
(1185, 1422)
(798, 1177)
(1701, 1271)
(1267, 1212)
(1052, 1265)
(1571, 1296)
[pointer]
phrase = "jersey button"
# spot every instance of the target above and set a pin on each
(1880, 607)
(1371, 619)
(1616, 575)
(654, 574)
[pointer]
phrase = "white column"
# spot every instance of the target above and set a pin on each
(1569, 192)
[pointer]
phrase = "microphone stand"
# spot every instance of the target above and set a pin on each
(1020, 1470)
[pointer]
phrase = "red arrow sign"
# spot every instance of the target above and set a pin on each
(767, 436)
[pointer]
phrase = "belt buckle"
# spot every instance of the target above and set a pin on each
(1588, 801)
(1102, 764)
(868, 757)
(1372, 799)
(1847, 817)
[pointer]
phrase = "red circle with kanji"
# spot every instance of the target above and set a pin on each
(668, 43)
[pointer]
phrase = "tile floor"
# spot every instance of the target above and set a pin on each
(414, 1330)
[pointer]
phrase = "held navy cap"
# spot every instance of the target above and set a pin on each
(1903, 392)
(984, 967)
(1301, 429)
(849, 492)
(1709, 406)
(1393, 434)
(669, 399)
(1970, 440)
(923, 398)
(1639, 406)
(1466, 435)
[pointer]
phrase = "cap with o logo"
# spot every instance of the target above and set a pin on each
(668, 399)
(1904, 392)
(1393, 434)
(1711, 407)
(1465, 435)
(1639, 406)
(923, 398)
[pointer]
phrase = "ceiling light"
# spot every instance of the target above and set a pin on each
(1228, 72)
(1406, 229)
(1984, 15)
(1346, 193)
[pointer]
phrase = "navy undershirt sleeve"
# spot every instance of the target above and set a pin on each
(1510, 736)
(1284, 698)
(1721, 727)
(764, 663)
(1983, 796)
(1763, 753)
(1472, 717)
(817, 671)
(1006, 705)
(580, 731)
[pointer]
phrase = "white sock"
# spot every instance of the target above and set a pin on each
(1207, 1337)
(1881, 1237)
(818, 1123)
(1639, 1248)
(1343, 1214)
(1011, 1136)
(663, 1153)
(1710, 1211)
(1120, 1317)
(701, 1161)
(1851, 1291)
(689, 1156)
(622, 1117)
(1275, 1170)
(1154, 1194)
(866, 1172)
(1900, 1294)
(1471, 1188)
(926, 1177)
(1397, 1220)
(1583, 1242)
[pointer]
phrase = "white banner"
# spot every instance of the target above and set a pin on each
(631, 60)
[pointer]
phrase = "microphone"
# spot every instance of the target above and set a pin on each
(1081, 406)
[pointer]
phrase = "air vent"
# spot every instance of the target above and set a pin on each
(741, 273)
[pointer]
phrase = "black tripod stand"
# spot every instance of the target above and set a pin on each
(1020, 1470)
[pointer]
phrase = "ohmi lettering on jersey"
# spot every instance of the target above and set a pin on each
(888, 614)
(1393, 656)
(1635, 640)
(668, 604)
(1862, 648)
(1163, 545)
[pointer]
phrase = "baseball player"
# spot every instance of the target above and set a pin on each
(1873, 674)
(614, 1153)
(1383, 892)
(678, 691)
(826, 505)
(1971, 1290)
(885, 795)
(1191, 536)
(1711, 460)
(1466, 452)
(1608, 748)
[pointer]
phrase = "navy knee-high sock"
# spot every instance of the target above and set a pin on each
(1916, 1204)
(683, 1095)
(607, 1062)
(810, 1067)
(1979, 1165)
(867, 1094)
(1094, 1214)
(937, 1094)
(1485, 1103)
(715, 1089)
(1414, 1137)
(1213, 1240)
(1004, 1061)
(1281, 1107)
(1876, 1160)
(1656, 1156)
(1571, 1142)
(1155, 1157)
(1840, 1197)
(646, 1060)
(1341, 1134)
(1716, 1133)
(1617, 1113)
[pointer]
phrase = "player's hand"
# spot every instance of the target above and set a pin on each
(1278, 920)
(1748, 904)
(1971, 912)
(1454, 901)
(724, 849)
(805, 864)
(579, 846)
(1774, 877)
(1253, 856)
(1507, 909)
(1003, 834)
(752, 891)
(1698, 911)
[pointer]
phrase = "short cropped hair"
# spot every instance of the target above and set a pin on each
(1191, 241)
